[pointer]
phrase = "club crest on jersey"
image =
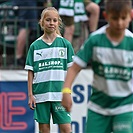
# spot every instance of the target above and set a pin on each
(129, 58)
(61, 53)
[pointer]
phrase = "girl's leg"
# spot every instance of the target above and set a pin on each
(44, 128)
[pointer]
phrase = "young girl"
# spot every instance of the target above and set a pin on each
(110, 109)
(47, 62)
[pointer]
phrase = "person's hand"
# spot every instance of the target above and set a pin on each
(32, 103)
(67, 101)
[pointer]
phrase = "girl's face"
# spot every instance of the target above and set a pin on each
(50, 22)
(118, 23)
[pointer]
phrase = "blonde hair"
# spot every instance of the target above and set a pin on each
(43, 15)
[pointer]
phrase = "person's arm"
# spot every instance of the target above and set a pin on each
(31, 102)
(71, 75)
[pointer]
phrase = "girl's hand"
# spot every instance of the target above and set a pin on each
(32, 103)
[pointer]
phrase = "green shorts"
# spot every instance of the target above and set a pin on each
(45, 110)
(97, 123)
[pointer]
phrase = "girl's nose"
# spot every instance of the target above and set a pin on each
(51, 22)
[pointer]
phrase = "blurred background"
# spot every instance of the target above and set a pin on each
(18, 29)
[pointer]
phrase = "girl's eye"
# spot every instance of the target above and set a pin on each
(55, 20)
(47, 19)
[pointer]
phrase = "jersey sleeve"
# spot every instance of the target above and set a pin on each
(29, 59)
(84, 55)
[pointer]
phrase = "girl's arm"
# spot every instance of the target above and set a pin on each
(32, 103)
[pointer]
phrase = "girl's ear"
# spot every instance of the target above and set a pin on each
(104, 15)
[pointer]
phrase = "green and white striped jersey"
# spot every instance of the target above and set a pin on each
(49, 64)
(79, 11)
(113, 67)
(66, 7)
(73, 8)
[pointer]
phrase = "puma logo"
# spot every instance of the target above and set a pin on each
(40, 54)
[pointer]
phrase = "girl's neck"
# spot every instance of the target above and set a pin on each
(112, 36)
(49, 38)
